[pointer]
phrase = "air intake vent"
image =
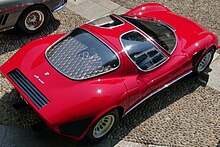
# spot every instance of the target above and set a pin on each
(28, 88)
(3, 19)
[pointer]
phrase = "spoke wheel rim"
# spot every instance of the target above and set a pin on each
(103, 126)
(204, 62)
(34, 20)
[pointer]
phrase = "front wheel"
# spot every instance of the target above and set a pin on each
(205, 61)
(103, 126)
(33, 19)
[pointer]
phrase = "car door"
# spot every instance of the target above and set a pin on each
(135, 85)
(165, 73)
(155, 67)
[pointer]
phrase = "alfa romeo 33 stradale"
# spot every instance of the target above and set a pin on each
(82, 82)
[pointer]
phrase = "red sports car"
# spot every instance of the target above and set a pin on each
(82, 82)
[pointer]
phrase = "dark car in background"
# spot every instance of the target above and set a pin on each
(29, 16)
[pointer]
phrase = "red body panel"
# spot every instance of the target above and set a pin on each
(126, 86)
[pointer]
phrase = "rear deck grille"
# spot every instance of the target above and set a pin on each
(28, 88)
(3, 19)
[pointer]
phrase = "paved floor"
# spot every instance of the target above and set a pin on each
(214, 81)
(89, 9)
(92, 9)
(18, 137)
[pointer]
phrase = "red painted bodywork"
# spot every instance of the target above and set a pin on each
(75, 100)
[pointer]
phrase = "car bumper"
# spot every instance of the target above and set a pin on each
(59, 6)
(75, 129)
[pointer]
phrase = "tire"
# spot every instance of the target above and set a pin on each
(103, 126)
(205, 61)
(33, 19)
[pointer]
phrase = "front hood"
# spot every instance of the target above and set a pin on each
(184, 27)
(190, 36)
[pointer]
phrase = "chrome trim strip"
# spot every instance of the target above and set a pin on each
(158, 90)
(59, 6)
(6, 29)
(95, 37)
(150, 42)
(151, 37)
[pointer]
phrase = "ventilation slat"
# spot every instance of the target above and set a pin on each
(28, 88)
(23, 88)
(1, 18)
(5, 19)
(33, 89)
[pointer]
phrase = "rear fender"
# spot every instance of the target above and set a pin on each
(97, 117)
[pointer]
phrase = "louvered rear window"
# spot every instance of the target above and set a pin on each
(81, 55)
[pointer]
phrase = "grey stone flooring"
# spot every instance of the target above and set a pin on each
(214, 75)
(92, 9)
(18, 137)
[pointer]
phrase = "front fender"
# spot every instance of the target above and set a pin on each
(146, 8)
(203, 41)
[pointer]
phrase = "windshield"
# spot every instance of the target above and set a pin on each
(157, 30)
(106, 22)
(80, 55)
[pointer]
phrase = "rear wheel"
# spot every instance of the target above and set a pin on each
(103, 126)
(33, 19)
(205, 61)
